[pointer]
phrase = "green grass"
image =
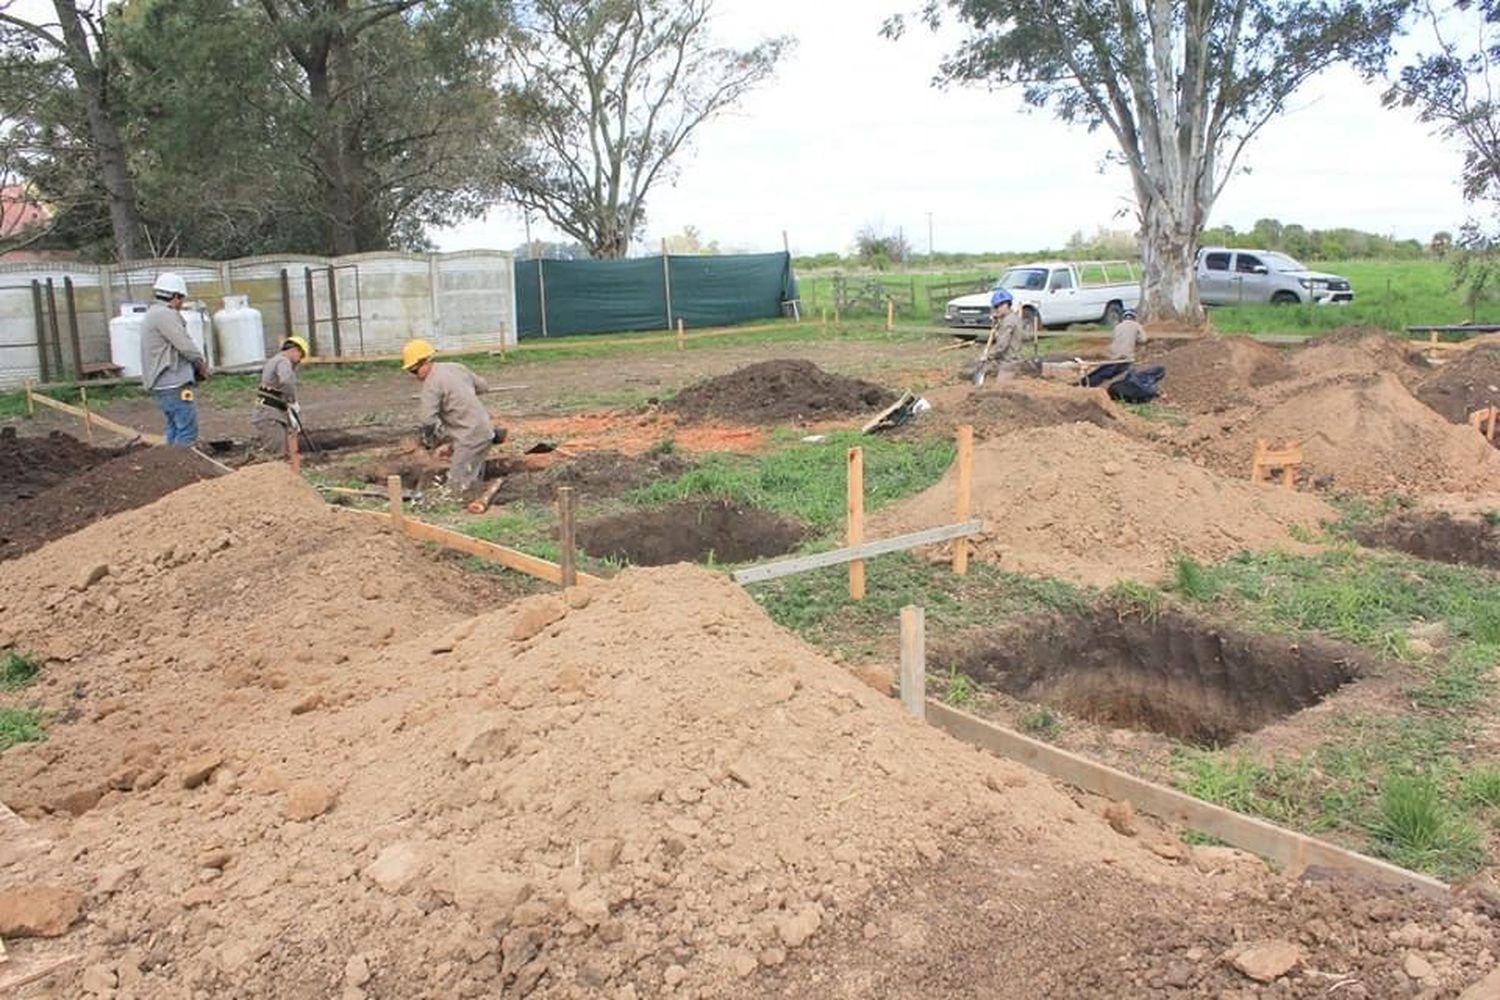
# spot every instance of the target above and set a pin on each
(1042, 723)
(808, 481)
(1416, 828)
(17, 670)
(958, 689)
(21, 725)
(1388, 294)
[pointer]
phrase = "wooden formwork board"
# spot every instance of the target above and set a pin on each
(819, 560)
(91, 418)
(1291, 850)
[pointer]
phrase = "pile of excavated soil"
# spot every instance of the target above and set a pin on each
(1094, 506)
(122, 483)
(297, 768)
(1468, 382)
(29, 465)
(595, 475)
(1000, 407)
(779, 391)
(1360, 350)
(1359, 434)
(1213, 374)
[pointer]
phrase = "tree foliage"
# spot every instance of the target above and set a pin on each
(317, 126)
(1182, 86)
(877, 248)
(610, 92)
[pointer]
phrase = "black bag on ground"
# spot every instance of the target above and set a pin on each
(1141, 384)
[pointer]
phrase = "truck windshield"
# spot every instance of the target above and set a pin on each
(1281, 262)
(1023, 277)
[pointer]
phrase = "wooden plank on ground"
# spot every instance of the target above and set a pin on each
(866, 550)
(98, 421)
(1287, 848)
(459, 542)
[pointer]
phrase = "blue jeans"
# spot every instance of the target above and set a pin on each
(182, 415)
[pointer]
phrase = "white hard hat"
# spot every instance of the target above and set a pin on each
(169, 284)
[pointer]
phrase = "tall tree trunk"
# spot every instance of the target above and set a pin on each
(1169, 290)
(108, 147)
(334, 168)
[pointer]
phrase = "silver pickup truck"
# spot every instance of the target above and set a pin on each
(1229, 277)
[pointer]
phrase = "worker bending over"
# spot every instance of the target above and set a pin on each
(1008, 330)
(171, 364)
(450, 408)
(277, 415)
(1128, 335)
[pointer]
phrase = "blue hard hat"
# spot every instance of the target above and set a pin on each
(1000, 297)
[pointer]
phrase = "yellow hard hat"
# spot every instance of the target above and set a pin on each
(415, 352)
(300, 343)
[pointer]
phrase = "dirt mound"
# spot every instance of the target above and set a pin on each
(779, 391)
(1360, 350)
(642, 784)
(1021, 404)
(1363, 434)
(594, 475)
(690, 532)
(1469, 382)
(1093, 506)
(1167, 673)
(1213, 374)
(125, 482)
(29, 465)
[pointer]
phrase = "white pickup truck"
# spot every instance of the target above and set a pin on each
(1056, 293)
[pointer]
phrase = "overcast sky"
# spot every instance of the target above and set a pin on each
(851, 132)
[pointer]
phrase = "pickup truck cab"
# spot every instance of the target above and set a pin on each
(1055, 294)
(1228, 277)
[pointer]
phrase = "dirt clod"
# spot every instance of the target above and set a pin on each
(1268, 961)
(781, 391)
(38, 911)
(307, 800)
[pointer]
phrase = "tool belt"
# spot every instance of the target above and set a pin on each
(267, 396)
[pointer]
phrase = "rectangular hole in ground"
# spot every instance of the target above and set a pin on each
(1170, 673)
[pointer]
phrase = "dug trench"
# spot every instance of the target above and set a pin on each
(1461, 539)
(1167, 673)
(690, 532)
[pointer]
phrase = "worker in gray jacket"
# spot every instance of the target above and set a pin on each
(171, 364)
(1128, 335)
(450, 408)
(276, 409)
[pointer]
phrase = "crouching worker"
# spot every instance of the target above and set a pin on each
(276, 409)
(451, 414)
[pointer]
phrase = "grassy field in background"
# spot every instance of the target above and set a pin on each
(1388, 294)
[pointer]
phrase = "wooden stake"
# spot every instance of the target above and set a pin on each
(835, 315)
(823, 317)
(856, 517)
(30, 406)
(963, 502)
(294, 455)
(88, 417)
(393, 493)
(890, 315)
(568, 556)
(914, 661)
(681, 335)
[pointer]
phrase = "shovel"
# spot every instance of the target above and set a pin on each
(984, 357)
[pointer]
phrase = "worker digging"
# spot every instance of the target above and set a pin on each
(453, 419)
(277, 414)
(171, 364)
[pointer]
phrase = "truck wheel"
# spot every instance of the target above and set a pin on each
(1113, 313)
(1285, 298)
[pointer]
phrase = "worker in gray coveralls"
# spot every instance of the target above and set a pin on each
(276, 408)
(1128, 335)
(450, 408)
(171, 364)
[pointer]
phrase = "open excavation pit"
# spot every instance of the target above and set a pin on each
(1471, 539)
(1168, 674)
(690, 532)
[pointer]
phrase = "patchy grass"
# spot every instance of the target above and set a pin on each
(1042, 723)
(808, 481)
(1158, 413)
(21, 725)
(1416, 828)
(958, 689)
(18, 670)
